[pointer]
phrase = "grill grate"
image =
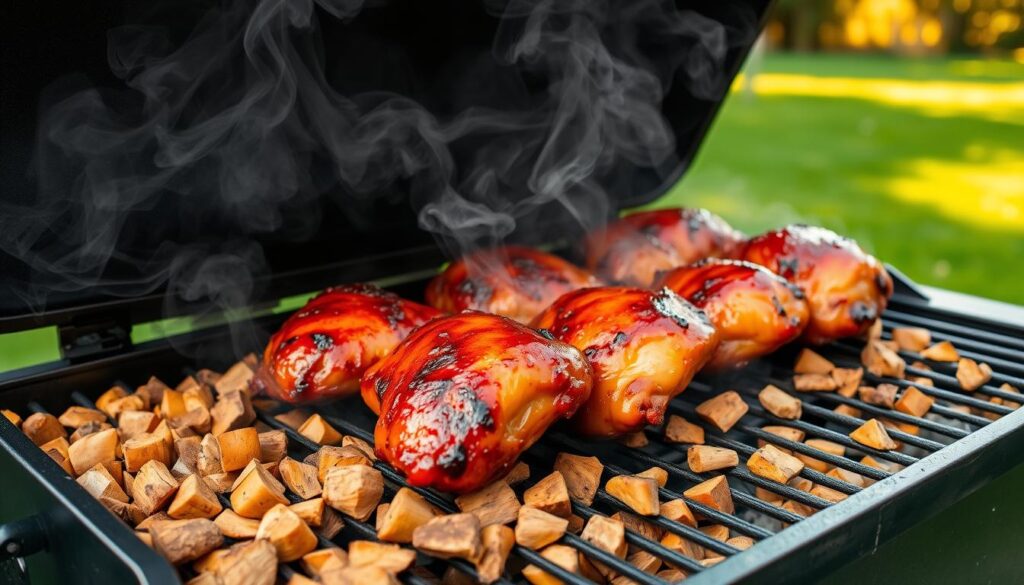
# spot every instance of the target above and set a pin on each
(948, 421)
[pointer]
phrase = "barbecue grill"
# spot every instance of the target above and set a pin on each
(55, 530)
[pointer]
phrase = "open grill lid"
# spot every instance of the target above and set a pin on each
(68, 265)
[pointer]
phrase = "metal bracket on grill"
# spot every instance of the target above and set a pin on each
(82, 341)
(22, 538)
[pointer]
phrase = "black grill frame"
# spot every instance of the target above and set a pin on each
(809, 548)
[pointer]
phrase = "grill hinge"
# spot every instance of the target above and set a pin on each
(82, 341)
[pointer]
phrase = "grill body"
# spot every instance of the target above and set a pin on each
(82, 542)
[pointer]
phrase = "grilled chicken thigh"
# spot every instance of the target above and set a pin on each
(323, 349)
(645, 347)
(464, 395)
(635, 248)
(513, 281)
(754, 310)
(846, 288)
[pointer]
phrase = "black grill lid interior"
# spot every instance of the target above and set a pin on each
(218, 187)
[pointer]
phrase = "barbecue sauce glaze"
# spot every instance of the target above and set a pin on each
(645, 347)
(463, 396)
(634, 249)
(846, 288)
(323, 349)
(754, 310)
(513, 281)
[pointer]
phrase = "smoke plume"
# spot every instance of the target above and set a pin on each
(245, 127)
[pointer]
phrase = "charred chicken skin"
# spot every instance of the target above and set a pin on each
(634, 249)
(464, 395)
(645, 347)
(513, 281)
(754, 310)
(323, 349)
(846, 288)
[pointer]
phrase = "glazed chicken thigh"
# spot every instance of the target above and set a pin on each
(645, 347)
(323, 349)
(464, 395)
(513, 281)
(754, 310)
(846, 288)
(634, 249)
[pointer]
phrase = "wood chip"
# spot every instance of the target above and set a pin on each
(788, 433)
(238, 448)
(582, 476)
(723, 411)
(847, 410)
(249, 563)
(329, 457)
(41, 428)
(232, 411)
(300, 478)
(318, 430)
(324, 559)
(942, 351)
(551, 495)
(354, 490)
(847, 380)
(679, 430)
(154, 487)
(702, 458)
(536, 529)
(607, 534)
(101, 484)
(520, 472)
(639, 493)
(779, 403)
(678, 511)
(772, 463)
(181, 541)
(12, 416)
(290, 536)
(827, 493)
(494, 504)
(565, 557)
(881, 395)
(882, 361)
(232, 525)
(257, 493)
(811, 362)
(140, 450)
(658, 474)
(713, 493)
(76, 416)
(390, 557)
(236, 379)
(293, 418)
(194, 499)
(136, 423)
(497, 542)
(450, 536)
(914, 402)
(681, 545)
(406, 512)
(912, 338)
(814, 383)
(972, 375)
(634, 440)
(273, 446)
(311, 511)
(874, 435)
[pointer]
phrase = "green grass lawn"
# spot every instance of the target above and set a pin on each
(938, 195)
(915, 185)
